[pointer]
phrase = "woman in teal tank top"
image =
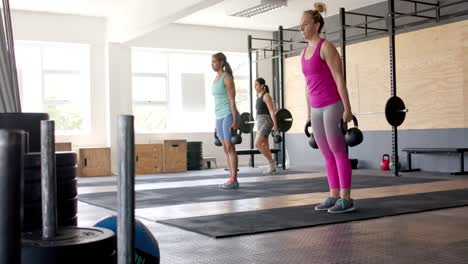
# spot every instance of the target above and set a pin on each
(227, 116)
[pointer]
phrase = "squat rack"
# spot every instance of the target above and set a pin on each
(278, 52)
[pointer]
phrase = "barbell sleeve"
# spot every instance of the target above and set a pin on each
(380, 112)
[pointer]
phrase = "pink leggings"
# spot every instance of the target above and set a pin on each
(330, 139)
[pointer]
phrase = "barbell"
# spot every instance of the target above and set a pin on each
(395, 113)
(284, 120)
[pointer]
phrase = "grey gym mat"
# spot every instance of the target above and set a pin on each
(212, 193)
(261, 221)
(192, 177)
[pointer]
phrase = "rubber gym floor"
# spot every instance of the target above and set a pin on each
(434, 236)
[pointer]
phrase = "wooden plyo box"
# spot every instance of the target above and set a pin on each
(95, 162)
(175, 156)
(63, 146)
(149, 158)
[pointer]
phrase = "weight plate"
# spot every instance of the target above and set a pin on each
(243, 127)
(283, 124)
(62, 174)
(65, 190)
(62, 159)
(66, 209)
(71, 245)
(393, 111)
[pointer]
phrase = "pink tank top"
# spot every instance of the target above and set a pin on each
(320, 83)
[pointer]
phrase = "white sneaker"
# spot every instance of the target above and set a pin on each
(271, 168)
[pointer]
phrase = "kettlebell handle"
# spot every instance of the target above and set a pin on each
(344, 127)
(306, 128)
(387, 156)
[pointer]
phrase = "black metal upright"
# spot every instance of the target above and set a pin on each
(343, 47)
(11, 193)
(249, 47)
(343, 40)
(281, 90)
(391, 37)
(126, 191)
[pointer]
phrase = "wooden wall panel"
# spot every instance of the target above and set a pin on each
(465, 75)
(465, 67)
(432, 78)
(372, 84)
(295, 101)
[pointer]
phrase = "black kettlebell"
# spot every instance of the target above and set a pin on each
(236, 137)
(310, 136)
(217, 142)
(353, 136)
(276, 137)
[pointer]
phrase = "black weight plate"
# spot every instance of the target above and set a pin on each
(194, 150)
(194, 163)
(62, 222)
(72, 221)
(29, 122)
(65, 190)
(62, 174)
(194, 168)
(65, 209)
(393, 111)
(193, 147)
(281, 115)
(62, 159)
(243, 127)
(72, 245)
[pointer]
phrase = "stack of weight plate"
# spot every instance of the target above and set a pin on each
(67, 193)
(194, 155)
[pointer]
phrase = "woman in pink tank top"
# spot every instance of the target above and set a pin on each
(328, 103)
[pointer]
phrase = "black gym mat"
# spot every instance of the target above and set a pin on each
(192, 177)
(212, 193)
(254, 222)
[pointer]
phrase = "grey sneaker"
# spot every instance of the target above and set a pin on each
(326, 204)
(230, 185)
(342, 206)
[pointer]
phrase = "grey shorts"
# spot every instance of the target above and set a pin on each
(264, 125)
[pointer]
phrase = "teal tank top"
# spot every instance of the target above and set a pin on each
(222, 107)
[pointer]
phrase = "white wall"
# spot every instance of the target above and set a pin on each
(135, 18)
(111, 69)
(37, 26)
(178, 36)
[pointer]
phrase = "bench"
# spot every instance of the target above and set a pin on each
(207, 161)
(255, 152)
(459, 151)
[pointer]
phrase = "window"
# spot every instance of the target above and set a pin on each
(172, 89)
(149, 91)
(193, 92)
(54, 78)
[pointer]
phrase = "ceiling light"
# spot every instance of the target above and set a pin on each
(252, 8)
